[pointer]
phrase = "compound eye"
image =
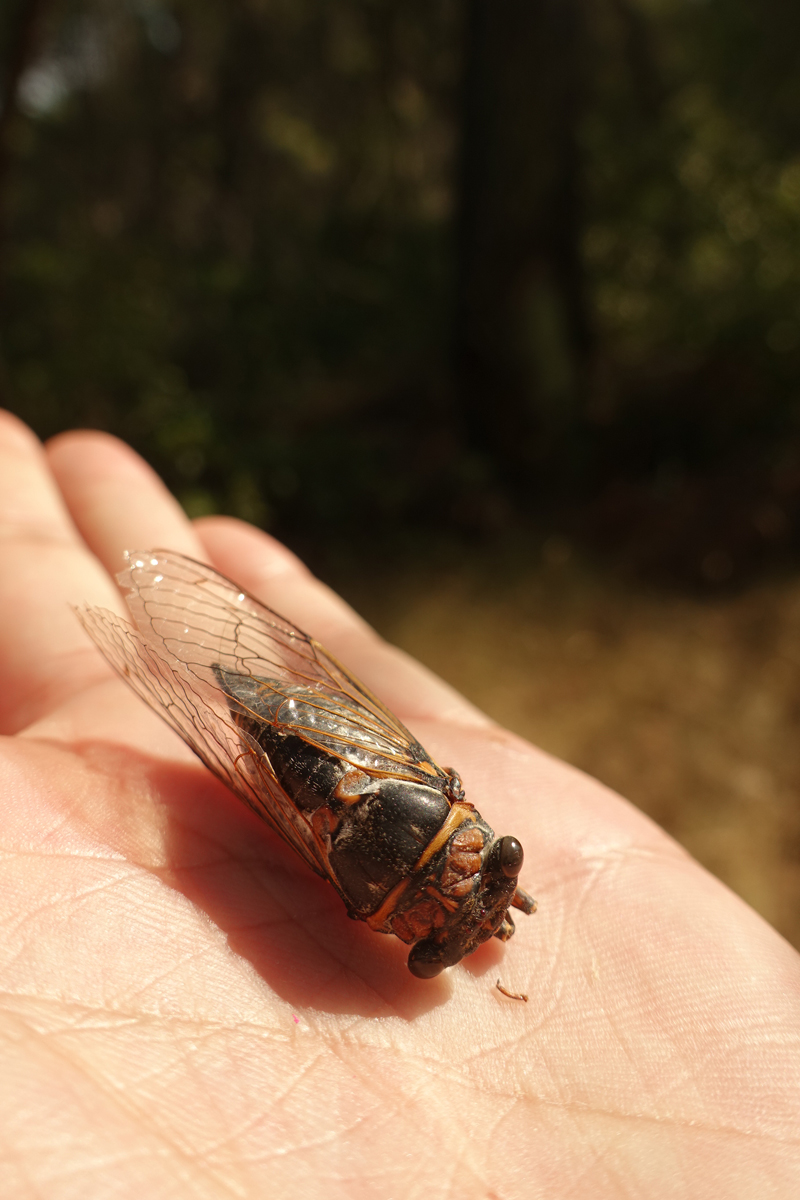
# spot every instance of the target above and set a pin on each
(425, 961)
(511, 856)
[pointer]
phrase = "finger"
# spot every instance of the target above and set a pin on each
(116, 501)
(44, 566)
(279, 579)
(110, 500)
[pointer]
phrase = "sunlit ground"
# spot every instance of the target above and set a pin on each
(688, 706)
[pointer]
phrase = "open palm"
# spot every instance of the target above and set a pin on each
(186, 1011)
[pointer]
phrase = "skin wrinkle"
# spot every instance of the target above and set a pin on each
(187, 1061)
(227, 855)
(210, 1150)
(395, 1045)
(65, 856)
(597, 1160)
(492, 1132)
(423, 1114)
(362, 1080)
(100, 1162)
(679, 1077)
(621, 853)
(327, 1139)
(692, 1074)
(279, 1098)
(421, 1124)
(198, 1028)
(613, 1175)
(144, 794)
(310, 1143)
(785, 1041)
(59, 821)
(580, 1108)
(138, 988)
(490, 1053)
(624, 1043)
(54, 903)
(145, 1077)
(595, 869)
(454, 1182)
(146, 909)
(601, 1152)
(117, 1099)
(13, 958)
(548, 1060)
(190, 1157)
(213, 1151)
(463, 1159)
(379, 1176)
(435, 1071)
(688, 1187)
(147, 985)
(344, 970)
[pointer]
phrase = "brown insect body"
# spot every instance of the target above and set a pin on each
(317, 756)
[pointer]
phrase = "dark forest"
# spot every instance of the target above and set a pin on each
(364, 267)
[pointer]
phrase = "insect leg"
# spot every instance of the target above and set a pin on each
(506, 930)
(523, 902)
(511, 995)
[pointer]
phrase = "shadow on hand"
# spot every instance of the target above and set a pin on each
(287, 922)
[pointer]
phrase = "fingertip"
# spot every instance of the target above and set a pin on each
(115, 498)
(94, 450)
(15, 434)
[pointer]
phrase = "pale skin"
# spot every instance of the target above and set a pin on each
(187, 1011)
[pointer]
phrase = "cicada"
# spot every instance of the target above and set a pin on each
(316, 755)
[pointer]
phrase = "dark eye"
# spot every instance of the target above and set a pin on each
(511, 856)
(425, 960)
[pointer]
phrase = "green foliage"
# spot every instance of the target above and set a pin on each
(229, 227)
(229, 239)
(692, 237)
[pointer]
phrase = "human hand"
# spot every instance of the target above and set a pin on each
(187, 1011)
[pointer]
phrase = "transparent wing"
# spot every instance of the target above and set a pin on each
(204, 621)
(200, 715)
(190, 622)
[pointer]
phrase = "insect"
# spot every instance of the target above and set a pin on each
(316, 755)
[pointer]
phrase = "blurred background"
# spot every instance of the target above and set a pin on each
(491, 311)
